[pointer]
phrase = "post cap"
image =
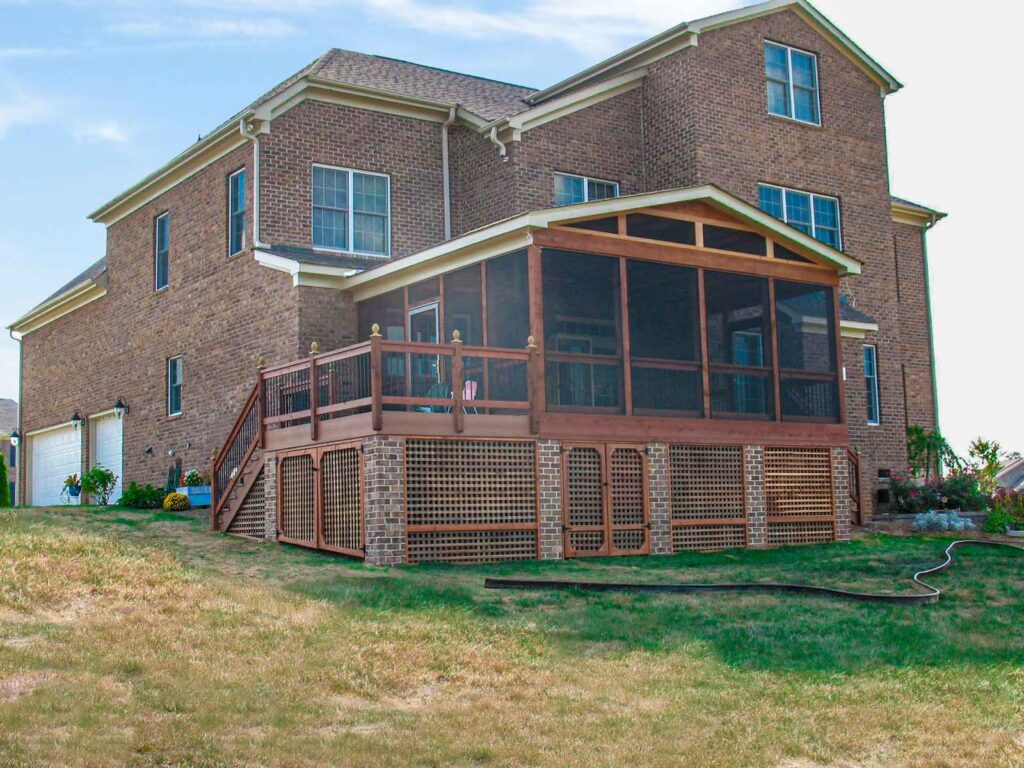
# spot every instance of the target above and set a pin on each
(375, 330)
(531, 342)
(314, 347)
(261, 362)
(457, 335)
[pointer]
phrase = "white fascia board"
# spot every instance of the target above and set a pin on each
(851, 329)
(566, 105)
(320, 275)
(51, 428)
(77, 296)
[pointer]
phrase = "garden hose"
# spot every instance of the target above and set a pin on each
(930, 596)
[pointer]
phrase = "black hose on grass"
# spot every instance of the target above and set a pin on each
(931, 596)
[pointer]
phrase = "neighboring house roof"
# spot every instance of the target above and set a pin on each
(8, 416)
(515, 232)
(1012, 475)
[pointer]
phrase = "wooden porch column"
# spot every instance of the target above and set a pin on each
(314, 393)
(458, 384)
(376, 383)
(538, 401)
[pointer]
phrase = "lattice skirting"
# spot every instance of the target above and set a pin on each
(471, 500)
(799, 495)
(708, 500)
(250, 520)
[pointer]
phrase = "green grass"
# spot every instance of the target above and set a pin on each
(145, 639)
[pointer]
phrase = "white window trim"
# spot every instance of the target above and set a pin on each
(245, 210)
(351, 213)
(181, 384)
(792, 89)
(586, 189)
(877, 391)
(156, 251)
(812, 196)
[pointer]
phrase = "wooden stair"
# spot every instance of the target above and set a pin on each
(244, 480)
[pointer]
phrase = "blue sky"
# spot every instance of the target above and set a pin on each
(95, 94)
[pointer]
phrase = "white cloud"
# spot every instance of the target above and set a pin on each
(204, 28)
(19, 107)
(109, 131)
(33, 53)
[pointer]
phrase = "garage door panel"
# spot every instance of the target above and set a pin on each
(108, 448)
(53, 456)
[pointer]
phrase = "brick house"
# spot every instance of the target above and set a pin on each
(666, 303)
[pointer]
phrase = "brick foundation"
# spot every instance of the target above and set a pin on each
(757, 513)
(549, 493)
(659, 493)
(384, 500)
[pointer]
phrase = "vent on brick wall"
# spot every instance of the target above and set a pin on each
(471, 500)
(799, 495)
(250, 520)
(707, 497)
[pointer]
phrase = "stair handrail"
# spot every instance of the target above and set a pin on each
(218, 495)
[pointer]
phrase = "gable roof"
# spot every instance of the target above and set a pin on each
(686, 33)
(515, 232)
(82, 289)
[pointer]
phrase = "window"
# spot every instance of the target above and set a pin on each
(814, 215)
(236, 212)
(792, 83)
(871, 384)
(805, 323)
(351, 211)
(174, 378)
(161, 249)
(579, 189)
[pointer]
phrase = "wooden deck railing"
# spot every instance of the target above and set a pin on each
(854, 480)
(231, 459)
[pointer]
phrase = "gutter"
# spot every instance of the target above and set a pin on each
(446, 173)
(251, 128)
(502, 149)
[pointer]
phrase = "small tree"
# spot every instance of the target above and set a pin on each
(985, 459)
(99, 482)
(928, 452)
(5, 486)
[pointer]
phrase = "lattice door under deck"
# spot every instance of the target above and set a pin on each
(605, 500)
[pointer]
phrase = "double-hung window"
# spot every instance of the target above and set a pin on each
(874, 410)
(351, 211)
(571, 189)
(236, 212)
(161, 251)
(175, 376)
(792, 77)
(814, 215)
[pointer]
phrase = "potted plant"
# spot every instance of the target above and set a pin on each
(73, 487)
(197, 488)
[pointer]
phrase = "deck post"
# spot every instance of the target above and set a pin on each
(458, 384)
(533, 384)
(314, 394)
(376, 384)
(261, 402)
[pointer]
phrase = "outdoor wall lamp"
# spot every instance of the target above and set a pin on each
(120, 408)
(15, 438)
(76, 420)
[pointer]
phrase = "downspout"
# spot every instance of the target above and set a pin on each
(932, 221)
(446, 173)
(250, 130)
(502, 150)
(19, 449)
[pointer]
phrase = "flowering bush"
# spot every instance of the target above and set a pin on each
(177, 502)
(1010, 503)
(194, 478)
(957, 490)
(942, 521)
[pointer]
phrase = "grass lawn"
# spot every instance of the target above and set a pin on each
(143, 639)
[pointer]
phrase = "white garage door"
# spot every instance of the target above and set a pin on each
(108, 448)
(54, 455)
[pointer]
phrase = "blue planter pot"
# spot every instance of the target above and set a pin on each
(198, 495)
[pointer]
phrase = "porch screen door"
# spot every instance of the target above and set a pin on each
(424, 327)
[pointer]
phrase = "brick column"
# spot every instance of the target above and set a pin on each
(757, 515)
(841, 489)
(660, 504)
(384, 462)
(549, 493)
(270, 496)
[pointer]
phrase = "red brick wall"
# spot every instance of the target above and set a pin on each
(220, 314)
(408, 150)
(724, 135)
(915, 333)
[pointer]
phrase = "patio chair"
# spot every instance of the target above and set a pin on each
(469, 393)
(438, 391)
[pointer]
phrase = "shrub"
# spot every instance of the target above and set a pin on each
(5, 487)
(136, 496)
(1011, 502)
(99, 483)
(998, 521)
(177, 502)
(194, 478)
(941, 521)
(957, 490)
